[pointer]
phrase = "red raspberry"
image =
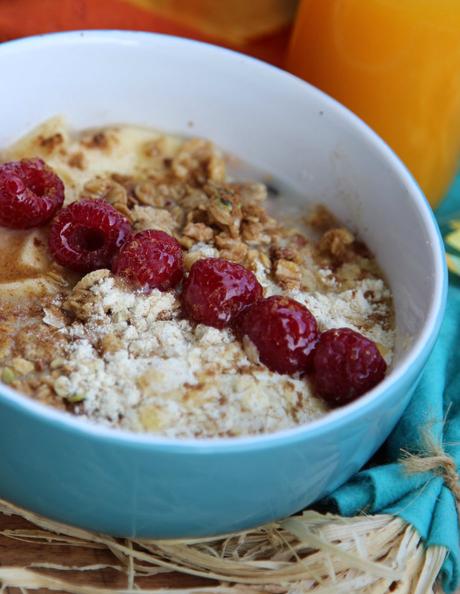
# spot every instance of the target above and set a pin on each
(150, 260)
(284, 332)
(347, 364)
(217, 290)
(30, 193)
(87, 234)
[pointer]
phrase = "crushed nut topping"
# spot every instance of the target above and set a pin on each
(288, 274)
(336, 242)
(129, 359)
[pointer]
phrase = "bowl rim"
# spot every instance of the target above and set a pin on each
(419, 350)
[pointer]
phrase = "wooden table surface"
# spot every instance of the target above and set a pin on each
(17, 553)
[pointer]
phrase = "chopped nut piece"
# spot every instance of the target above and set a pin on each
(80, 302)
(224, 209)
(252, 193)
(106, 189)
(22, 366)
(235, 254)
(172, 192)
(116, 195)
(195, 199)
(198, 231)
(197, 216)
(231, 249)
(177, 214)
(308, 280)
(221, 211)
(255, 214)
(96, 187)
(288, 274)
(147, 193)
(125, 211)
(251, 231)
(91, 279)
(216, 168)
(78, 305)
(148, 217)
(185, 242)
(321, 218)
(336, 242)
(124, 180)
(280, 253)
(198, 161)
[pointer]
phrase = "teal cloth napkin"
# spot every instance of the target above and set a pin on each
(423, 500)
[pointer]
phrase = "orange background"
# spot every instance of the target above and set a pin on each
(20, 18)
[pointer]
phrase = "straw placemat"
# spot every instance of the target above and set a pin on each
(309, 553)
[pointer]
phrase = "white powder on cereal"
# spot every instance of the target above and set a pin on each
(167, 376)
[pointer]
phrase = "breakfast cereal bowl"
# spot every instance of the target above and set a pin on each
(139, 484)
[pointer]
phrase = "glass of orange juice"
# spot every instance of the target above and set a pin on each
(396, 63)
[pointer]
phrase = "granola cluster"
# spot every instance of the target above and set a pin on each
(188, 197)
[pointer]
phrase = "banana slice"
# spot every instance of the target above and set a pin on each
(33, 254)
(26, 288)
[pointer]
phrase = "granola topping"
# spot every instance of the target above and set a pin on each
(99, 348)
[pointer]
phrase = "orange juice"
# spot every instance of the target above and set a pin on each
(396, 63)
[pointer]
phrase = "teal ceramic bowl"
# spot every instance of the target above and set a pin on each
(138, 485)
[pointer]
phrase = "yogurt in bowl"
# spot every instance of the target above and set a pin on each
(180, 484)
